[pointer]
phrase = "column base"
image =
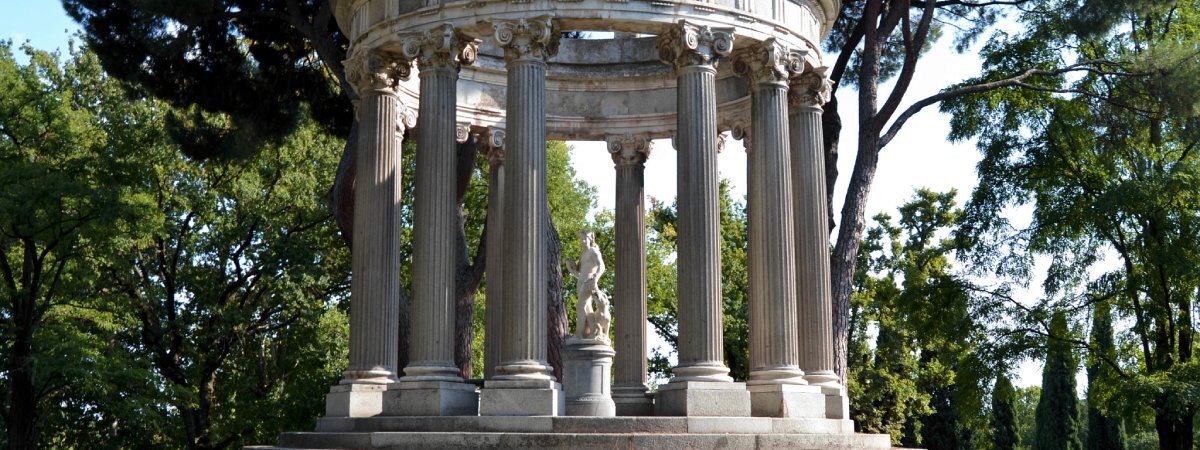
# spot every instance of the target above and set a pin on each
(787, 401)
(699, 398)
(430, 398)
(355, 400)
(633, 400)
(522, 398)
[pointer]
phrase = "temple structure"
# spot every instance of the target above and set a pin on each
(500, 72)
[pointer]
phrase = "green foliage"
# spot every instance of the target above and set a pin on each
(1105, 158)
(662, 304)
(1058, 424)
(922, 382)
(1103, 432)
(1004, 420)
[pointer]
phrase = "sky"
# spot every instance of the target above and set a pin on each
(919, 156)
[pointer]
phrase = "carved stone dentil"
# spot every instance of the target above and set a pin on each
(690, 45)
(628, 150)
(441, 46)
(527, 39)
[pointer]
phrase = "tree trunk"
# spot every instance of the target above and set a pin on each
(1175, 430)
(469, 272)
(831, 130)
(22, 413)
(557, 327)
(341, 195)
(846, 250)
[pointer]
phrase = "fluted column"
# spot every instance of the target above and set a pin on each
(694, 51)
(375, 259)
(527, 44)
(438, 53)
(375, 252)
(493, 324)
(629, 390)
(809, 91)
(772, 266)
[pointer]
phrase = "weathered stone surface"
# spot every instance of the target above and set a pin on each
(522, 398)
(398, 440)
(787, 400)
(587, 369)
(691, 398)
(354, 400)
(431, 398)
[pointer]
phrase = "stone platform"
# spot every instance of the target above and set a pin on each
(582, 432)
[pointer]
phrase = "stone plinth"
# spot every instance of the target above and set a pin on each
(584, 432)
(355, 400)
(702, 398)
(587, 369)
(430, 398)
(787, 400)
(522, 398)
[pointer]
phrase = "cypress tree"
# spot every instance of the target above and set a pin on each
(1103, 433)
(1004, 421)
(1058, 409)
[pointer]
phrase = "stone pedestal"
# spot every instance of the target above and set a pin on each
(837, 402)
(522, 398)
(587, 368)
(787, 400)
(430, 398)
(633, 401)
(702, 398)
(355, 400)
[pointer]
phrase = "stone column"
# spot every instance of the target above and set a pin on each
(775, 378)
(493, 321)
(431, 385)
(375, 259)
(524, 383)
(809, 91)
(629, 391)
(693, 51)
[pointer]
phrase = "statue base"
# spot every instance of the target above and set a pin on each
(587, 376)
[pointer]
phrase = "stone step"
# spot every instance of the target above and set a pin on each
(657, 441)
(566, 424)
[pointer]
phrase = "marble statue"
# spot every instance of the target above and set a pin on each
(592, 317)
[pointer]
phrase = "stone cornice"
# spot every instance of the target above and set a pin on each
(694, 45)
(534, 39)
(628, 149)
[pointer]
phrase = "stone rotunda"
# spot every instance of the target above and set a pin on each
(499, 72)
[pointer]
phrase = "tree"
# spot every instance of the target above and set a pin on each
(662, 304)
(924, 383)
(1058, 409)
(1104, 431)
(65, 159)
(1107, 162)
(1004, 420)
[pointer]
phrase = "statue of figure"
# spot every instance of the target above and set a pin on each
(591, 308)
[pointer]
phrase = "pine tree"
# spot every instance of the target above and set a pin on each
(1103, 433)
(1004, 421)
(1058, 409)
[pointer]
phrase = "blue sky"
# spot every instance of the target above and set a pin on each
(42, 23)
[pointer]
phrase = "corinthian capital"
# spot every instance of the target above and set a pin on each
(629, 149)
(440, 47)
(493, 140)
(741, 131)
(810, 89)
(693, 45)
(527, 39)
(768, 62)
(369, 70)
